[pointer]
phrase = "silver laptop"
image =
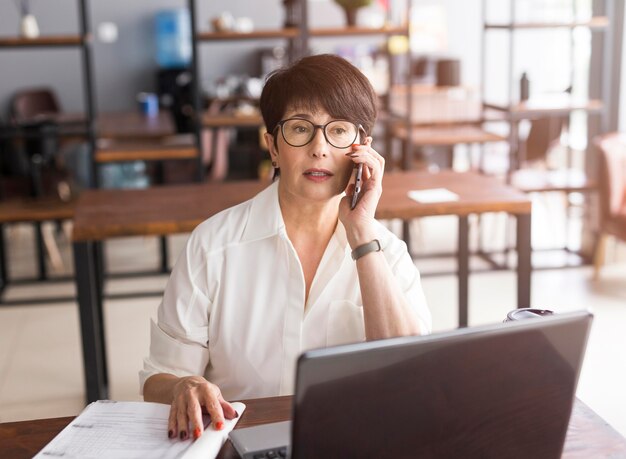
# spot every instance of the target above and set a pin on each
(500, 391)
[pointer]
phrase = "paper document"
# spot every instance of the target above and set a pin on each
(109, 429)
(433, 195)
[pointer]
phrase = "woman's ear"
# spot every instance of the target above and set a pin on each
(269, 141)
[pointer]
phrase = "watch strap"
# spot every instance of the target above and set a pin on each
(364, 249)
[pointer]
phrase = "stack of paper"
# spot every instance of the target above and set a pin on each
(108, 429)
(433, 195)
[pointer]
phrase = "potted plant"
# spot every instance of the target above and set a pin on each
(350, 7)
(28, 22)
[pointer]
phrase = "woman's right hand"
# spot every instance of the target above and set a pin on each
(193, 395)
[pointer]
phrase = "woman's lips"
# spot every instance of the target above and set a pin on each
(317, 175)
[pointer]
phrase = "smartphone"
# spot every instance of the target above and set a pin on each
(357, 185)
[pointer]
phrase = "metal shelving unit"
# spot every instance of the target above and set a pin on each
(82, 42)
(534, 107)
(298, 39)
(537, 108)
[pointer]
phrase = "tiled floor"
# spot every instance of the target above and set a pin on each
(40, 356)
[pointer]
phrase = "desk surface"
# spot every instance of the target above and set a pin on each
(477, 194)
(102, 214)
(588, 434)
(129, 125)
(447, 135)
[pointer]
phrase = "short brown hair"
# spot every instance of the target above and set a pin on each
(321, 81)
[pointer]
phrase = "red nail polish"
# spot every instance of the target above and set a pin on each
(219, 425)
(236, 414)
(170, 434)
(183, 435)
(356, 145)
(196, 433)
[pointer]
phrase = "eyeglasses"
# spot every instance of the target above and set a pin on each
(298, 132)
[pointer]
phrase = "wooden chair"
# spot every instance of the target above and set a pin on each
(534, 175)
(612, 180)
(29, 104)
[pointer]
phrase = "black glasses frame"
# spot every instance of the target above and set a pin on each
(322, 127)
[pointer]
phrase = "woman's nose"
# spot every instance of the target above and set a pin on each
(319, 146)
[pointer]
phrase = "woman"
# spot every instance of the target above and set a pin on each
(292, 269)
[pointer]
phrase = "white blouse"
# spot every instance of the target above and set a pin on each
(234, 311)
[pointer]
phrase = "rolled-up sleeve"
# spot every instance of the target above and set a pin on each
(179, 339)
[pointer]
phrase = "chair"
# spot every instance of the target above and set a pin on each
(29, 104)
(612, 176)
(32, 111)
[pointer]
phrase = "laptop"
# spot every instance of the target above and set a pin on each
(501, 391)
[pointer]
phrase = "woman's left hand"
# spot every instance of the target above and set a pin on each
(358, 221)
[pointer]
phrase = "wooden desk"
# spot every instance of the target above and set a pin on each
(159, 211)
(588, 436)
(477, 194)
(128, 125)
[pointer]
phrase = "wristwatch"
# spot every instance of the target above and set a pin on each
(364, 249)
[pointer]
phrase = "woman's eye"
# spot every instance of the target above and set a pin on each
(300, 129)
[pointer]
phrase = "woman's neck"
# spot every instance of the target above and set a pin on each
(309, 217)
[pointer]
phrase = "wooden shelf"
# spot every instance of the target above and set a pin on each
(549, 105)
(45, 41)
(214, 121)
(447, 135)
(293, 32)
(290, 32)
(355, 31)
(147, 152)
(599, 22)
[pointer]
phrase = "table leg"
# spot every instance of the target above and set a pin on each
(100, 276)
(41, 259)
(463, 268)
(3, 261)
(524, 262)
(86, 267)
(406, 235)
(164, 257)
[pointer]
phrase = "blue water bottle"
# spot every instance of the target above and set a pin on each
(173, 38)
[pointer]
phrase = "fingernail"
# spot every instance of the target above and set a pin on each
(196, 433)
(170, 434)
(355, 145)
(183, 435)
(219, 425)
(236, 414)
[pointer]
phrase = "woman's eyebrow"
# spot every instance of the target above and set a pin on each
(301, 115)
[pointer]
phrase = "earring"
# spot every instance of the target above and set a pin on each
(274, 164)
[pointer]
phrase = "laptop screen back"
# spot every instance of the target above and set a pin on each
(499, 391)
